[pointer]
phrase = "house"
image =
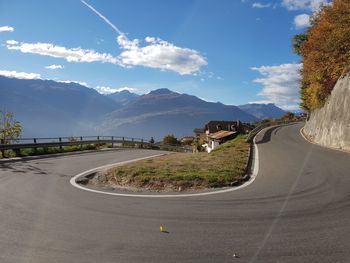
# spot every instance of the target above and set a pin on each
(217, 138)
(188, 140)
(200, 134)
(215, 126)
(217, 132)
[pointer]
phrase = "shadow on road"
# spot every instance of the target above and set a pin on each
(54, 155)
(21, 168)
(267, 135)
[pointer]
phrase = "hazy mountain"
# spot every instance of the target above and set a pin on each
(123, 97)
(163, 111)
(49, 108)
(263, 111)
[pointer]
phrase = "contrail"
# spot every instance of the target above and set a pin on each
(104, 18)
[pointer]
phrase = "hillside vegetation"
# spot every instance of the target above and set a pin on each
(325, 51)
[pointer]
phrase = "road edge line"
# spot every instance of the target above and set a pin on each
(254, 173)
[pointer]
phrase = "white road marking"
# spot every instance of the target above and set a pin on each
(253, 176)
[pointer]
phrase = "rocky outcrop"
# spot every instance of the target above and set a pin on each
(330, 125)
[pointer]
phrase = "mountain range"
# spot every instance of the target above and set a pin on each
(47, 108)
(263, 111)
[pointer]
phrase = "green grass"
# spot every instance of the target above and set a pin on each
(222, 166)
(48, 150)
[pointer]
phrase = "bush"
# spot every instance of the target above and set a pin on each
(170, 139)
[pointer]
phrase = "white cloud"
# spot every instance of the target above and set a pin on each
(54, 66)
(213, 101)
(312, 5)
(82, 83)
(260, 5)
(156, 53)
(109, 90)
(19, 75)
(6, 29)
(302, 21)
(160, 54)
(260, 102)
(280, 84)
(26, 75)
(69, 54)
(11, 42)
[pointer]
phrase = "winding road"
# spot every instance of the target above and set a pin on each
(297, 210)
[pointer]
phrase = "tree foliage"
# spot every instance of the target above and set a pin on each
(288, 116)
(298, 41)
(170, 139)
(10, 129)
(325, 51)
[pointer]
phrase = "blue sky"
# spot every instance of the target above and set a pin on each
(232, 51)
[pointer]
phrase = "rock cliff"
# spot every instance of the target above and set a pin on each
(330, 125)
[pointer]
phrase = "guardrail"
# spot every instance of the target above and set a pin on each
(61, 142)
(68, 141)
(258, 128)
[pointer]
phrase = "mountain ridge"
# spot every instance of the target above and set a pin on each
(50, 108)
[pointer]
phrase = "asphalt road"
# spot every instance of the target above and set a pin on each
(297, 210)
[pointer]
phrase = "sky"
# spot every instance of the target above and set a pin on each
(231, 51)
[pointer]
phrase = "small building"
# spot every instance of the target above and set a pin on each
(215, 126)
(217, 138)
(200, 134)
(188, 140)
(217, 132)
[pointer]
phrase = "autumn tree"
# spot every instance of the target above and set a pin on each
(10, 129)
(288, 116)
(325, 51)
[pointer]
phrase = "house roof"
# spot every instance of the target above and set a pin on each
(198, 130)
(214, 126)
(221, 134)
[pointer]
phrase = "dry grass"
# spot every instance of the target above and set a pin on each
(186, 170)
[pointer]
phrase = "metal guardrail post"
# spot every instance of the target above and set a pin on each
(141, 143)
(35, 149)
(81, 145)
(112, 141)
(60, 140)
(123, 142)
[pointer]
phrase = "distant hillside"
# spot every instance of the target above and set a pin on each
(263, 111)
(163, 111)
(49, 108)
(123, 97)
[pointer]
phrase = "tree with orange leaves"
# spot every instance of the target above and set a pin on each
(325, 51)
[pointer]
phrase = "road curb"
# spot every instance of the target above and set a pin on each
(315, 143)
(254, 169)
